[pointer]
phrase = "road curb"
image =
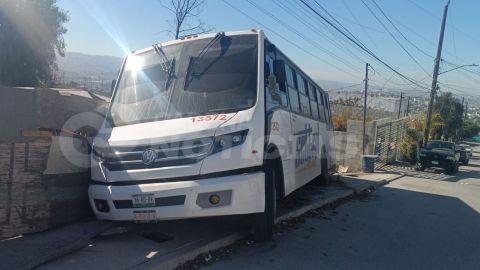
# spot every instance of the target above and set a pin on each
(387, 181)
(179, 256)
(341, 194)
(34, 250)
(190, 252)
(187, 253)
(372, 184)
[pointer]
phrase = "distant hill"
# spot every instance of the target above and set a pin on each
(333, 85)
(78, 66)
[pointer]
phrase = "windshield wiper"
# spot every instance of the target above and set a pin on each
(158, 49)
(191, 64)
(207, 47)
(168, 69)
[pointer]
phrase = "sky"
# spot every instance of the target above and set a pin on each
(116, 27)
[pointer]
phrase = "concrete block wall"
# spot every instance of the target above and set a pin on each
(348, 145)
(32, 201)
(42, 185)
(340, 147)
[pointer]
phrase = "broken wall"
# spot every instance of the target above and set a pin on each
(43, 184)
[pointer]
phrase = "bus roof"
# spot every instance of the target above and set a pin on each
(200, 36)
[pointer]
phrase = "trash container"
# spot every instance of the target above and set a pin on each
(368, 163)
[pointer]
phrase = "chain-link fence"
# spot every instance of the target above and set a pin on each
(387, 141)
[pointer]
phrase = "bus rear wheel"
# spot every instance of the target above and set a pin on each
(263, 222)
(323, 179)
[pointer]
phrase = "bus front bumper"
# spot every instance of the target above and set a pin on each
(219, 196)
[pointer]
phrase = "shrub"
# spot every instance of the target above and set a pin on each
(340, 118)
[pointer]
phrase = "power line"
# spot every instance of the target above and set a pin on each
(341, 25)
(455, 88)
(434, 16)
(307, 39)
(285, 39)
(345, 87)
(314, 29)
(392, 35)
(332, 31)
(341, 42)
(363, 27)
(460, 66)
(400, 32)
(311, 27)
(363, 47)
(453, 37)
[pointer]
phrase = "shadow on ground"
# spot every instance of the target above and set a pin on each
(472, 170)
(396, 229)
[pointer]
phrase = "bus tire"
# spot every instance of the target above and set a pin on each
(324, 179)
(263, 222)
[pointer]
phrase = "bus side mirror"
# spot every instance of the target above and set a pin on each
(279, 70)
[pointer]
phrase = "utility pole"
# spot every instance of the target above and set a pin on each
(466, 111)
(435, 76)
(365, 107)
(408, 106)
(400, 104)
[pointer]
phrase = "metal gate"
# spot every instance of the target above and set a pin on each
(387, 141)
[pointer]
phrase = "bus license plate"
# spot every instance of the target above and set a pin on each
(143, 200)
(144, 215)
(435, 162)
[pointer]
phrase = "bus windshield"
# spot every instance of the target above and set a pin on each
(191, 78)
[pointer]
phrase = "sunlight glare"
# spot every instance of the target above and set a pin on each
(134, 63)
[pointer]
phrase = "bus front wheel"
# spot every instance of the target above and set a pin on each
(263, 222)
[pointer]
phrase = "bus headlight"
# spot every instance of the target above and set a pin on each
(229, 140)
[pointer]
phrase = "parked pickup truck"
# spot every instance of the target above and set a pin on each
(439, 154)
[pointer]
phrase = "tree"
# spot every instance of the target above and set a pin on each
(31, 35)
(186, 18)
(470, 129)
(413, 135)
(451, 112)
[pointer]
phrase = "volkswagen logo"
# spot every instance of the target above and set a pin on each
(149, 156)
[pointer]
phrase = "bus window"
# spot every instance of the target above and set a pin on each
(301, 84)
(313, 101)
(280, 98)
(305, 83)
(321, 108)
(305, 104)
(327, 111)
(290, 76)
(292, 91)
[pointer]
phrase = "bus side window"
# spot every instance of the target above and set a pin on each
(301, 84)
(275, 97)
(292, 91)
(327, 112)
(321, 107)
(313, 101)
(304, 102)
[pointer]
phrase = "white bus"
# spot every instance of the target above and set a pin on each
(209, 125)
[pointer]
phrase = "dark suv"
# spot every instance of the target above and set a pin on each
(439, 154)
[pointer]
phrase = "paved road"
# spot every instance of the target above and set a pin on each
(413, 223)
